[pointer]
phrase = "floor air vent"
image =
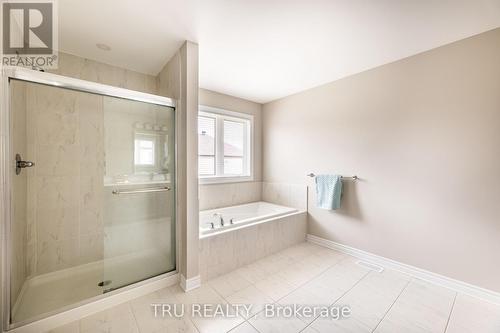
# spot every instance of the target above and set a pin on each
(368, 265)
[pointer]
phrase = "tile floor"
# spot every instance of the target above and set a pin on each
(309, 275)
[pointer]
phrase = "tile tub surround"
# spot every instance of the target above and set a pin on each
(290, 195)
(223, 252)
(306, 274)
(239, 216)
(225, 195)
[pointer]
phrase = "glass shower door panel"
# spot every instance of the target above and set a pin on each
(56, 230)
(139, 209)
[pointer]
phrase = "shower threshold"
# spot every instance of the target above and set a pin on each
(58, 290)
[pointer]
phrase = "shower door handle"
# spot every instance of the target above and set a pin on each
(20, 164)
(142, 190)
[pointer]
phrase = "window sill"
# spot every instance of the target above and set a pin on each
(224, 180)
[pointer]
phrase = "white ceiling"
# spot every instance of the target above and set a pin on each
(262, 50)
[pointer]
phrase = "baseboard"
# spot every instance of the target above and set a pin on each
(86, 309)
(190, 284)
(422, 274)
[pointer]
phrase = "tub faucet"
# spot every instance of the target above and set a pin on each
(220, 217)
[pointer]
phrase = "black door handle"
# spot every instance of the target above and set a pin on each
(20, 164)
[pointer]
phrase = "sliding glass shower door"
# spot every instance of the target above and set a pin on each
(139, 203)
(92, 195)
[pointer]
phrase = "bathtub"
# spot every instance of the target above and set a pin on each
(239, 216)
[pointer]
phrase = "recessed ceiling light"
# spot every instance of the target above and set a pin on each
(103, 47)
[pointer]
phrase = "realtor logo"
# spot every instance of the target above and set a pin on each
(29, 34)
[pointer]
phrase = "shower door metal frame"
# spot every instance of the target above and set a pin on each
(6, 167)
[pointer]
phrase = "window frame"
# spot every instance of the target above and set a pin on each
(248, 155)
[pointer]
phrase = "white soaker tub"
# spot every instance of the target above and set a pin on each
(240, 215)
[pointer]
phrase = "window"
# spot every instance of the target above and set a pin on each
(206, 146)
(224, 145)
(144, 152)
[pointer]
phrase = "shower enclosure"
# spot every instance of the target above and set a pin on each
(89, 201)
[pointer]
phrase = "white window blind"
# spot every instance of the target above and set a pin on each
(234, 139)
(206, 146)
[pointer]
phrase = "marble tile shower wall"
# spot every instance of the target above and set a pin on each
(66, 139)
(85, 69)
(137, 225)
(65, 192)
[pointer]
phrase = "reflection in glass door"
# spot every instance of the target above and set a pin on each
(139, 209)
(93, 196)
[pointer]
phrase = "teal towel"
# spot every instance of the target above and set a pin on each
(328, 191)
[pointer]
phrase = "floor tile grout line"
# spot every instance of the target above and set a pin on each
(392, 305)
(245, 320)
(451, 312)
(248, 321)
(294, 288)
(338, 298)
(235, 327)
(134, 316)
(187, 318)
(224, 298)
(179, 301)
(275, 302)
(309, 280)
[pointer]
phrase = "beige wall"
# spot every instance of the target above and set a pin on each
(423, 134)
(179, 79)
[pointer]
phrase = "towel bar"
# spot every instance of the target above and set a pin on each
(312, 175)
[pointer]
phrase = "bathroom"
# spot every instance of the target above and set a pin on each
(199, 168)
